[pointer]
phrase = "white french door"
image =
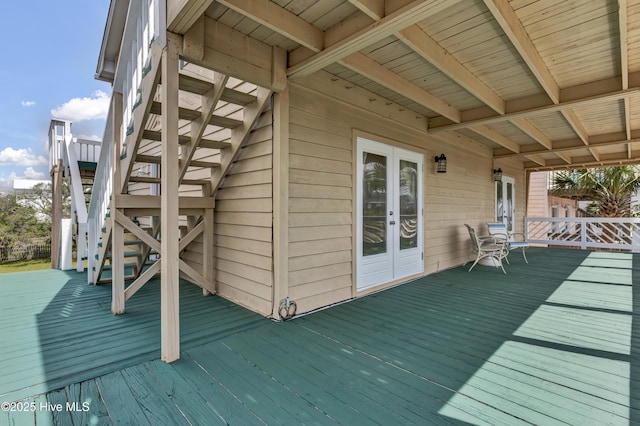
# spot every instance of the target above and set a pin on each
(505, 202)
(389, 213)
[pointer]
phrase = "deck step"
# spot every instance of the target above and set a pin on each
(145, 179)
(191, 114)
(154, 159)
(195, 85)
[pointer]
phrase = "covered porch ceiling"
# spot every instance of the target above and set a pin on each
(555, 84)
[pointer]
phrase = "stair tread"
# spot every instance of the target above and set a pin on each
(154, 159)
(145, 179)
(195, 85)
(155, 135)
(191, 114)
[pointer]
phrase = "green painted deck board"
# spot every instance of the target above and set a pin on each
(553, 342)
(58, 330)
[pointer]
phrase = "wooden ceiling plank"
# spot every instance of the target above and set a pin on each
(595, 153)
(402, 18)
(425, 46)
(362, 64)
(514, 30)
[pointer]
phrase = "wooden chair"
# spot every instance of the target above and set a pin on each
(500, 230)
(490, 246)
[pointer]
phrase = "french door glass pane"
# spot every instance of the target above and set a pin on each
(374, 204)
(408, 205)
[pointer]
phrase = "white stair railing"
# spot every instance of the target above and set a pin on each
(585, 232)
(100, 197)
(145, 19)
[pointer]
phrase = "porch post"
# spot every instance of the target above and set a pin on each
(280, 198)
(117, 231)
(56, 214)
(169, 253)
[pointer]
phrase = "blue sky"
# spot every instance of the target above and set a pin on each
(50, 51)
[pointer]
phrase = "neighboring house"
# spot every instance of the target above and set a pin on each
(23, 187)
(283, 156)
(540, 203)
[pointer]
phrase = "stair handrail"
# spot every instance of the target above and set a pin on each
(145, 24)
(100, 193)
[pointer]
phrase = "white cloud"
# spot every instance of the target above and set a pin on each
(20, 157)
(79, 109)
(29, 173)
(28, 103)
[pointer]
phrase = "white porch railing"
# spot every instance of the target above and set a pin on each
(585, 232)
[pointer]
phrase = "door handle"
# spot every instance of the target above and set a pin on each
(393, 222)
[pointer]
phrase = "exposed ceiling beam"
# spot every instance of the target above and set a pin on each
(402, 18)
(279, 20)
(586, 161)
(369, 68)
(536, 159)
(576, 125)
(564, 156)
(425, 46)
(622, 31)
(565, 145)
(496, 137)
(533, 132)
(534, 111)
(514, 30)
(291, 26)
(624, 61)
(372, 8)
(182, 14)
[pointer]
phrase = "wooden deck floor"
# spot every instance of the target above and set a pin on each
(552, 342)
(57, 330)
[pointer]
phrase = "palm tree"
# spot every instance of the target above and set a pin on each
(610, 188)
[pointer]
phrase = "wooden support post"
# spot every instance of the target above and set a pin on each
(280, 198)
(56, 214)
(169, 253)
(117, 231)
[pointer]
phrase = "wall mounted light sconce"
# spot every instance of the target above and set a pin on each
(497, 175)
(442, 163)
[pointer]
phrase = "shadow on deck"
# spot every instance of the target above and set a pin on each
(552, 342)
(58, 330)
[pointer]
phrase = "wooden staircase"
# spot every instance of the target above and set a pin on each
(215, 115)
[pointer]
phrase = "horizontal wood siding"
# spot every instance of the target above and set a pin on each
(321, 205)
(243, 224)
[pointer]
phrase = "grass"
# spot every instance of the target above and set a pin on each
(25, 265)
